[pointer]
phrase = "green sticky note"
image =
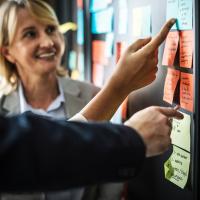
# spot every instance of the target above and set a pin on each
(180, 134)
(169, 171)
(177, 167)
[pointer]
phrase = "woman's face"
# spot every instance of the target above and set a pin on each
(37, 49)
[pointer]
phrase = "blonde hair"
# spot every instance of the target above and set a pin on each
(41, 11)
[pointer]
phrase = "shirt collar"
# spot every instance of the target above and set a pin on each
(24, 106)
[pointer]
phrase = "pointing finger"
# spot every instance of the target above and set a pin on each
(171, 112)
(160, 37)
(139, 44)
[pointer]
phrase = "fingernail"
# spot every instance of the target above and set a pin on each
(176, 107)
(173, 21)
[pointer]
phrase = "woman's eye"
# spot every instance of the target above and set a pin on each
(50, 29)
(30, 34)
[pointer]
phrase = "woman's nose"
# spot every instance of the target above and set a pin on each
(46, 41)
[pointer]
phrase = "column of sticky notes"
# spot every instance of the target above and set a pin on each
(178, 88)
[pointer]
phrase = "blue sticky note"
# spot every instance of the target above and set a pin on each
(96, 5)
(172, 11)
(122, 17)
(102, 21)
(80, 31)
(185, 15)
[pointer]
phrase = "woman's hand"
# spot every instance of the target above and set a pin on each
(137, 67)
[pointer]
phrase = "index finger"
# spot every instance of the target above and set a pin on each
(160, 37)
(171, 112)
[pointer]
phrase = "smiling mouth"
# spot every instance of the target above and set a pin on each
(46, 56)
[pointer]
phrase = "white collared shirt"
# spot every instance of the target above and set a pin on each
(55, 109)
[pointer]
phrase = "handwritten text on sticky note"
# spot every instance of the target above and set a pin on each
(186, 48)
(177, 167)
(186, 91)
(185, 15)
(171, 81)
(180, 134)
(171, 46)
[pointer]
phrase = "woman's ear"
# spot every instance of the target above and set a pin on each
(6, 53)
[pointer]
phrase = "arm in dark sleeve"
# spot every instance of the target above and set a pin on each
(38, 154)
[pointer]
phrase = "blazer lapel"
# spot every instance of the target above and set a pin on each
(11, 104)
(72, 93)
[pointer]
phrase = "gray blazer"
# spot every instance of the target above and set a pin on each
(77, 95)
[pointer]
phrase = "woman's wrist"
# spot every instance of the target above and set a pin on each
(118, 86)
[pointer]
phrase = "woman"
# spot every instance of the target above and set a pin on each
(31, 51)
(32, 59)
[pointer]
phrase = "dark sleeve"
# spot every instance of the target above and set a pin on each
(37, 154)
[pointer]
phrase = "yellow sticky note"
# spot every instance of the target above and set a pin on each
(177, 167)
(180, 134)
(75, 74)
(137, 22)
(67, 26)
(141, 21)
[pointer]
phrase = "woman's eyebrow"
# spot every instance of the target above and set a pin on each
(28, 28)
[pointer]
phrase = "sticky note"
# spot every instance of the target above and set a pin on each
(81, 62)
(102, 21)
(122, 17)
(98, 74)
(177, 167)
(72, 60)
(171, 81)
(169, 171)
(109, 44)
(99, 52)
(186, 91)
(80, 3)
(180, 134)
(81, 66)
(186, 48)
(80, 31)
(75, 74)
(142, 21)
(96, 5)
(63, 28)
(172, 10)
(171, 46)
(185, 15)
